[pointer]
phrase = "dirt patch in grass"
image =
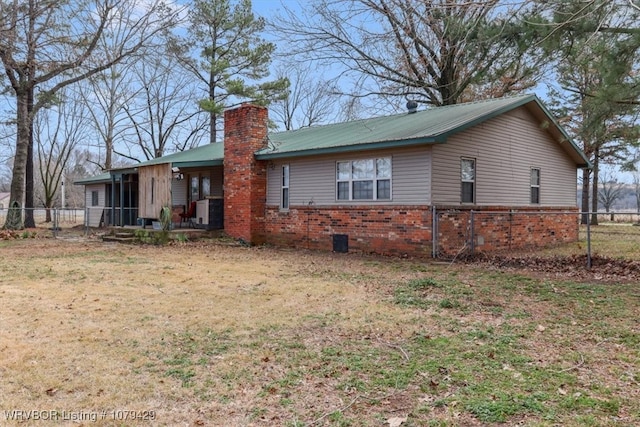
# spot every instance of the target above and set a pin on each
(208, 334)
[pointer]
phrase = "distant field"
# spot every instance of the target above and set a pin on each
(615, 240)
(608, 239)
(206, 334)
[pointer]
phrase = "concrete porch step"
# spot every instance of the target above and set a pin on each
(120, 237)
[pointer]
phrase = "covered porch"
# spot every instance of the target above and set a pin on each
(188, 183)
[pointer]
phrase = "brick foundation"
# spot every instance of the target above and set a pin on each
(503, 228)
(407, 230)
(383, 230)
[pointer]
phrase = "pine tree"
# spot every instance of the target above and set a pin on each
(232, 57)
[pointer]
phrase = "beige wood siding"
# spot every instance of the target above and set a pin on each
(95, 212)
(314, 178)
(155, 189)
(505, 149)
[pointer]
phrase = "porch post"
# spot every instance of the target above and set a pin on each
(121, 200)
(112, 220)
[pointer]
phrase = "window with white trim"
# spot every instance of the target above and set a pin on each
(535, 186)
(366, 179)
(468, 180)
(95, 200)
(284, 199)
(206, 186)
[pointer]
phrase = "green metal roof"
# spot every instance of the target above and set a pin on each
(206, 155)
(429, 126)
(103, 177)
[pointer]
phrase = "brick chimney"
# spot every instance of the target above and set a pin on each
(245, 178)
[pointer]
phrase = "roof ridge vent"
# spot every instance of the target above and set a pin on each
(412, 106)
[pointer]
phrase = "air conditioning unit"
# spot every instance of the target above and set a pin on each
(202, 212)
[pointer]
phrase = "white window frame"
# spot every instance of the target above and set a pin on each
(535, 185)
(472, 181)
(350, 180)
(95, 198)
(285, 195)
(205, 185)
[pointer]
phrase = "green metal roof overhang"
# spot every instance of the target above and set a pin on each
(97, 179)
(380, 145)
(426, 127)
(196, 164)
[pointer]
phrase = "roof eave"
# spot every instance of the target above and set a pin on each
(89, 182)
(351, 148)
(201, 163)
(566, 138)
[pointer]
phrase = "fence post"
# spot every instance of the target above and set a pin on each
(55, 222)
(434, 232)
(589, 240)
(472, 243)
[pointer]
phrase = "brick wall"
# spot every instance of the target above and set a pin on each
(503, 228)
(400, 230)
(245, 178)
(388, 230)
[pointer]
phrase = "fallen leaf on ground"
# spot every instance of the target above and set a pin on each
(396, 421)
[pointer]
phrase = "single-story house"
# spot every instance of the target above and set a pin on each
(373, 185)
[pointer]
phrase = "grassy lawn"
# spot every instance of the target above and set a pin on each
(205, 334)
(615, 240)
(608, 239)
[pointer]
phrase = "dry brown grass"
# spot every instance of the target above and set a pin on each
(205, 334)
(89, 326)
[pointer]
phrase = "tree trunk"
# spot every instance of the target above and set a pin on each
(594, 187)
(212, 125)
(108, 156)
(14, 215)
(213, 117)
(29, 205)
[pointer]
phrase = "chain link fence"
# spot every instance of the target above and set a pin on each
(74, 222)
(456, 232)
(51, 222)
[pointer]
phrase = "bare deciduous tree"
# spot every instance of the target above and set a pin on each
(46, 46)
(609, 191)
(309, 101)
(105, 96)
(437, 52)
(57, 133)
(163, 114)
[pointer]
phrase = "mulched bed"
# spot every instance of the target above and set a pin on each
(603, 269)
